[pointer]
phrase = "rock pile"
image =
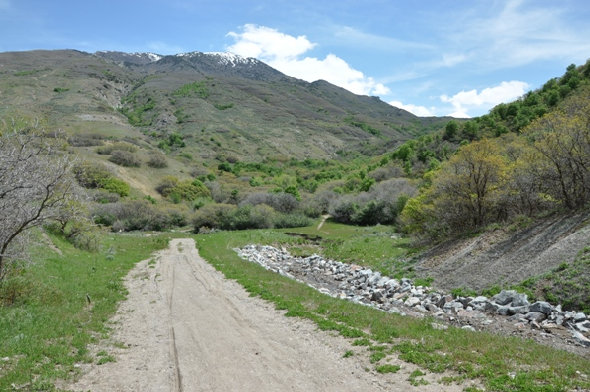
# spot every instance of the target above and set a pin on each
(364, 286)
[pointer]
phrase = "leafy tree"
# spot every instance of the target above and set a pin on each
(471, 181)
(451, 130)
(563, 139)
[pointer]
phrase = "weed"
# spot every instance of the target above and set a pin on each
(348, 354)
(415, 381)
(106, 359)
(388, 368)
(377, 356)
(361, 342)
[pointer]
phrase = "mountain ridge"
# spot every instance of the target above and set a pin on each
(237, 104)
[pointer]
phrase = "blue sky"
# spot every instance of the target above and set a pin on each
(447, 57)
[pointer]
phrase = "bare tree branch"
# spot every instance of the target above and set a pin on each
(35, 186)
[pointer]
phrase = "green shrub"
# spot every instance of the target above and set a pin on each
(213, 216)
(291, 220)
(132, 215)
(157, 160)
(166, 185)
(85, 140)
(125, 158)
(115, 185)
(119, 146)
(97, 176)
(190, 190)
(198, 89)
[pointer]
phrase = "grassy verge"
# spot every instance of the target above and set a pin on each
(378, 247)
(60, 304)
(501, 363)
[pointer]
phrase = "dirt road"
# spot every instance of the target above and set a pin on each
(184, 327)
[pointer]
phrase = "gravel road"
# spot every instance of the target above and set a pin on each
(184, 327)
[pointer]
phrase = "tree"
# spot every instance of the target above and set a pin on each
(467, 188)
(564, 140)
(451, 130)
(35, 186)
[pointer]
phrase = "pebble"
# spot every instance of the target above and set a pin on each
(367, 287)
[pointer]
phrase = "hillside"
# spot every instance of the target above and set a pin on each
(221, 104)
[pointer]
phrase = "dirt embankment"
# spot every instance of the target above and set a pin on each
(184, 327)
(502, 257)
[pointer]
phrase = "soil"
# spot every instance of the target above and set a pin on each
(502, 257)
(184, 327)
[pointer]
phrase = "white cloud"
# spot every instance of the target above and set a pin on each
(421, 111)
(489, 97)
(266, 43)
(351, 36)
(284, 52)
(522, 32)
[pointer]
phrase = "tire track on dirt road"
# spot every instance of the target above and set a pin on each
(187, 328)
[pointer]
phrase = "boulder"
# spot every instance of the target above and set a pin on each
(584, 326)
(453, 306)
(580, 316)
(444, 300)
(392, 284)
(505, 297)
(412, 301)
(520, 300)
(535, 316)
(584, 341)
(378, 295)
(541, 306)
(490, 307)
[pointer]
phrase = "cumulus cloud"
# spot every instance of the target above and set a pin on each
(421, 111)
(487, 98)
(267, 43)
(285, 53)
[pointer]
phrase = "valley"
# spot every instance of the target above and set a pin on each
(229, 152)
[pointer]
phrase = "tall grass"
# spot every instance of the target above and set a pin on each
(52, 310)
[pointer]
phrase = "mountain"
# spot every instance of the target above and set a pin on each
(219, 103)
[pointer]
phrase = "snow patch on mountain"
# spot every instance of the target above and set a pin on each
(231, 59)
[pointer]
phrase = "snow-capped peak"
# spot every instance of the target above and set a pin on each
(149, 56)
(227, 58)
(153, 56)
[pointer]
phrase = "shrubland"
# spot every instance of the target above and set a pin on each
(544, 168)
(523, 160)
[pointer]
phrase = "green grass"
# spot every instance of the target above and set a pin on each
(474, 355)
(388, 368)
(568, 284)
(47, 322)
(372, 247)
(415, 381)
